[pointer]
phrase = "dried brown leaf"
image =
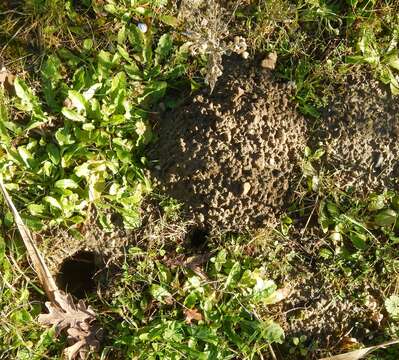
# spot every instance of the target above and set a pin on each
(192, 314)
(83, 333)
(69, 315)
(348, 343)
(7, 81)
(71, 352)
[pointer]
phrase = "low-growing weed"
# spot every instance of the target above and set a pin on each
(77, 141)
(318, 42)
(188, 310)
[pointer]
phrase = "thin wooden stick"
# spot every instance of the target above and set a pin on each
(42, 271)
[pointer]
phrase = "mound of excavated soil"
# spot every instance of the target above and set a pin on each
(360, 132)
(231, 157)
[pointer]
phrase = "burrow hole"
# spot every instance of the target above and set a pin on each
(197, 237)
(77, 274)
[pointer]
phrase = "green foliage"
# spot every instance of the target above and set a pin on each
(318, 41)
(21, 338)
(359, 230)
(360, 224)
(79, 140)
(383, 60)
(392, 306)
(194, 314)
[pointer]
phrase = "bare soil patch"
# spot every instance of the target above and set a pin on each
(360, 132)
(231, 157)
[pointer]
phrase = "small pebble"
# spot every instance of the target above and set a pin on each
(142, 27)
(245, 188)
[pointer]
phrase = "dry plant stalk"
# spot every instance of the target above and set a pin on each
(361, 353)
(77, 319)
(208, 33)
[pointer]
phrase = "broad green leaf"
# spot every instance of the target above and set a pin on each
(165, 45)
(386, 217)
(394, 61)
(233, 276)
(394, 86)
(124, 53)
(355, 59)
(358, 240)
(4, 136)
(88, 127)
(118, 84)
(83, 170)
(133, 71)
(265, 291)
(323, 217)
(377, 202)
(160, 293)
(25, 155)
(332, 208)
(153, 92)
(88, 44)
(53, 202)
(164, 273)
(220, 259)
(29, 100)
(53, 153)
(392, 306)
(91, 91)
(81, 79)
(111, 8)
(66, 184)
(122, 36)
(36, 209)
(272, 332)
(131, 218)
(159, 3)
(191, 299)
(169, 20)
(72, 115)
(136, 39)
(96, 182)
(64, 136)
(71, 58)
(51, 69)
(78, 101)
(176, 72)
(104, 58)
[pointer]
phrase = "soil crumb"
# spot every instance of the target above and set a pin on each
(360, 132)
(231, 157)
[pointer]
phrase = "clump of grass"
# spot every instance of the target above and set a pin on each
(80, 136)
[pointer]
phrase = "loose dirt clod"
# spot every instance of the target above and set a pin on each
(360, 131)
(231, 157)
